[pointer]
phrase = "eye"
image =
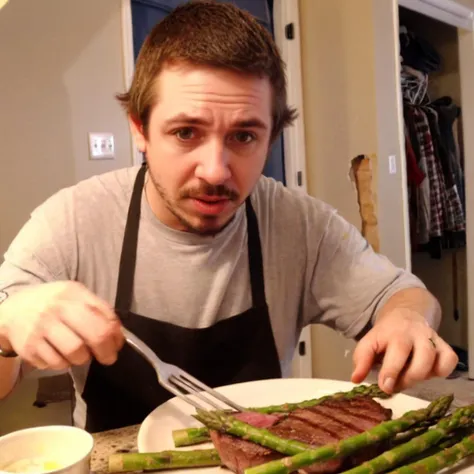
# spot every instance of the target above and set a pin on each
(244, 137)
(186, 133)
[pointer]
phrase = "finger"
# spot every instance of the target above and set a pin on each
(49, 356)
(446, 360)
(118, 336)
(119, 340)
(68, 344)
(25, 347)
(396, 356)
(364, 357)
(89, 298)
(421, 364)
(114, 338)
(33, 360)
(98, 333)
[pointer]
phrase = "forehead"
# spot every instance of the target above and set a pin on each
(206, 90)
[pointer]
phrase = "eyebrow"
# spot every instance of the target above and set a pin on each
(192, 120)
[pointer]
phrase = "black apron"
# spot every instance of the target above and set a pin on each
(238, 349)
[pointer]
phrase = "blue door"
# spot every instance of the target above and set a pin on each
(145, 15)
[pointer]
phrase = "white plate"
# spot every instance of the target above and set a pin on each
(155, 432)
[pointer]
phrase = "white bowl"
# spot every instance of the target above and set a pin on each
(68, 448)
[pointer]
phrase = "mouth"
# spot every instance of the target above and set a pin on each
(211, 199)
(210, 205)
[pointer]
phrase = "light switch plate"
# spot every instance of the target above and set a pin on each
(101, 146)
(392, 164)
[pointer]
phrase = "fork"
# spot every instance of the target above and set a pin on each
(179, 382)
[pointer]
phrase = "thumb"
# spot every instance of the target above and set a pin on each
(364, 357)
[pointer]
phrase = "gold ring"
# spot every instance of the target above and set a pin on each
(432, 342)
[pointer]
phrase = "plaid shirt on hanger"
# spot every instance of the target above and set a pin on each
(427, 152)
(454, 214)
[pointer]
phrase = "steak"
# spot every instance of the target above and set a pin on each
(322, 424)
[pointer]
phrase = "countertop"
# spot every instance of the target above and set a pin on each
(109, 442)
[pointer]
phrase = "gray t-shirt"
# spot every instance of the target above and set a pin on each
(317, 267)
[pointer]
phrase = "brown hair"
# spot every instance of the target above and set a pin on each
(205, 32)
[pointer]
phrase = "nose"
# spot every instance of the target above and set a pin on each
(213, 166)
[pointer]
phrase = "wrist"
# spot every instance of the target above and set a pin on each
(416, 304)
(6, 349)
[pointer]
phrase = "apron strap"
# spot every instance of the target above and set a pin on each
(255, 257)
(128, 256)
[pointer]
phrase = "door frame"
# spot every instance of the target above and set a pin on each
(447, 11)
(466, 64)
(128, 59)
(285, 12)
(394, 225)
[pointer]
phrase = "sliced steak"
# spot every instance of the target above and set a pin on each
(326, 423)
(258, 419)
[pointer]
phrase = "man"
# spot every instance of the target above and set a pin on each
(214, 266)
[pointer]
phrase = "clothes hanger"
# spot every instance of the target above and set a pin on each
(414, 85)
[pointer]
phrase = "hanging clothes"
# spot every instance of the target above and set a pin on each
(437, 213)
(435, 172)
(418, 192)
(419, 123)
(418, 53)
(454, 212)
(448, 115)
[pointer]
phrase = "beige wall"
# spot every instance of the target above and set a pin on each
(60, 64)
(340, 121)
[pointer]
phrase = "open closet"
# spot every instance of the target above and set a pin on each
(424, 70)
(435, 171)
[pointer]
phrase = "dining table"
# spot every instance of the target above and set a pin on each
(120, 440)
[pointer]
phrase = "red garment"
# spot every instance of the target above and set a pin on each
(414, 174)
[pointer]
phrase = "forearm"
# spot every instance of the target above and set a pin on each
(418, 301)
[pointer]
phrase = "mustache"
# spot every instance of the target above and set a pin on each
(207, 189)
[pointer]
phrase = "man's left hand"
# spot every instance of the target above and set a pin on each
(410, 350)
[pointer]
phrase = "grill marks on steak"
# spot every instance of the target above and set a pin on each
(326, 423)
(354, 415)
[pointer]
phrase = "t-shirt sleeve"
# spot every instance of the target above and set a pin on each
(349, 282)
(44, 249)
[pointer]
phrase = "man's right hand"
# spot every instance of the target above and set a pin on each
(56, 325)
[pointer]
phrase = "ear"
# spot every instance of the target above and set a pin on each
(137, 133)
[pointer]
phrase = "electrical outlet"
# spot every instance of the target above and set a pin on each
(101, 146)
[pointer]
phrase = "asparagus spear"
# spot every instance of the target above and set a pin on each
(453, 439)
(372, 390)
(226, 423)
(407, 435)
(350, 445)
(190, 436)
(438, 461)
(163, 460)
(461, 418)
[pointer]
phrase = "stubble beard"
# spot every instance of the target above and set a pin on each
(208, 227)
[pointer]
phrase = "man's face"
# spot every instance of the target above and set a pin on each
(207, 143)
